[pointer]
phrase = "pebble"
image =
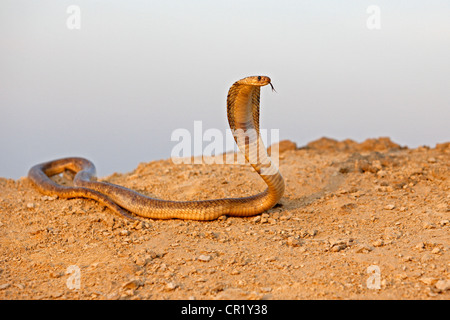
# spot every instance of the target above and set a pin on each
(428, 280)
(382, 173)
(204, 258)
(141, 261)
(132, 284)
(402, 276)
(429, 225)
(436, 250)
(48, 198)
(364, 248)
(285, 217)
(257, 219)
(4, 286)
(171, 286)
(338, 247)
(407, 259)
(264, 218)
(21, 286)
(442, 285)
(31, 205)
(56, 294)
(124, 232)
(293, 242)
(426, 258)
(392, 233)
(378, 243)
(389, 207)
(420, 246)
(55, 274)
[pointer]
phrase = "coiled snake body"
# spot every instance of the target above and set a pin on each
(243, 118)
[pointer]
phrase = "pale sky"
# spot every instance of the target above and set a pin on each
(115, 89)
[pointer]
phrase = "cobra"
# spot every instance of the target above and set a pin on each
(243, 102)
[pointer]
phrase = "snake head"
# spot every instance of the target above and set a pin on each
(255, 81)
(258, 81)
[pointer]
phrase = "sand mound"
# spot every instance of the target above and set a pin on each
(358, 220)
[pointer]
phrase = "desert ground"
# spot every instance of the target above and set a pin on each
(367, 220)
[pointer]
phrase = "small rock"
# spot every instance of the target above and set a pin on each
(392, 233)
(429, 225)
(426, 258)
(382, 173)
(31, 205)
(420, 246)
(56, 294)
(363, 248)
(257, 219)
(20, 286)
(442, 285)
(264, 218)
(428, 280)
(47, 198)
(171, 286)
(128, 293)
(338, 247)
(431, 160)
(436, 250)
(55, 274)
(127, 240)
(348, 207)
(293, 242)
(132, 284)
(124, 232)
(442, 222)
(402, 276)
(378, 243)
(204, 258)
(407, 259)
(141, 261)
(4, 286)
(389, 207)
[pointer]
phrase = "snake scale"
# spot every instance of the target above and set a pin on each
(243, 118)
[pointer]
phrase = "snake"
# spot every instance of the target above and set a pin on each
(243, 112)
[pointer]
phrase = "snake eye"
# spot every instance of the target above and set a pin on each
(259, 78)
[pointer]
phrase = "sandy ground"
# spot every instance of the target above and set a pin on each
(358, 221)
